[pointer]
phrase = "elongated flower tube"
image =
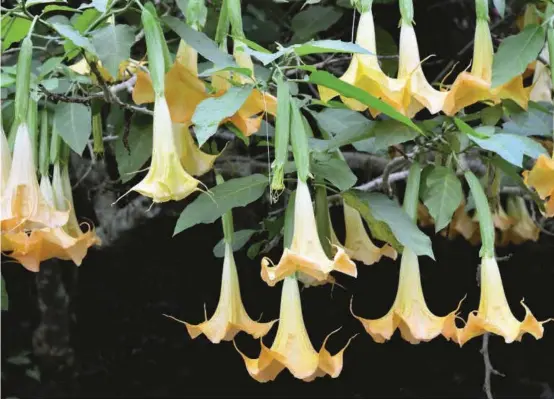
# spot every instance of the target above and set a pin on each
(524, 228)
(422, 94)
(292, 348)
(193, 160)
(494, 314)
(166, 179)
(230, 316)
(5, 161)
(409, 312)
(541, 178)
(63, 198)
(542, 81)
(358, 245)
(23, 205)
(306, 255)
(365, 72)
(475, 86)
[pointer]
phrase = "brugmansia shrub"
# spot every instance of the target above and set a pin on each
(474, 165)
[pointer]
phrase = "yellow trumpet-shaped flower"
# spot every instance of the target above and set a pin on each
(23, 205)
(422, 94)
(523, 228)
(292, 348)
(463, 224)
(365, 72)
(306, 255)
(166, 179)
(30, 248)
(542, 82)
(409, 313)
(193, 160)
(358, 245)
(494, 314)
(541, 177)
(230, 317)
(475, 86)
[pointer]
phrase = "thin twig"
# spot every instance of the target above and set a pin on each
(489, 370)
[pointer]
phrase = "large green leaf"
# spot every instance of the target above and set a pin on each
(200, 42)
(206, 208)
(63, 27)
(510, 147)
(309, 22)
(240, 238)
(113, 44)
(326, 79)
(342, 121)
(537, 120)
(442, 195)
(210, 112)
(14, 29)
(388, 221)
(140, 149)
(390, 132)
(335, 170)
(73, 123)
(515, 53)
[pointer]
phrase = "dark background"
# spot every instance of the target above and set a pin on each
(120, 345)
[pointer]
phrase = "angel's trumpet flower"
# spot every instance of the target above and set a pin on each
(494, 314)
(422, 94)
(365, 72)
(541, 177)
(166, 179)
(424, 218)
(31, 248)
(463, 224)
(542, 82)
(63, 198)
(475, 86)
(357, 244)
(230, 317)
(194, 160)
(306, 255)
(523, 228)
(409, 313)
(23, 205)
(292, 348)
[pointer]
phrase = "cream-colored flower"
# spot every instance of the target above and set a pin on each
(292, 348)
(306, 255)
(542, 81)
(409, 313)
(193, 160)
(494, 314)
(230, 316)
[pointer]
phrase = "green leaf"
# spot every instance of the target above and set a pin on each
(326, 79)
(240, 238)
(210, 112)
(390, 132)
(336, 171)
(514, 174)
(206, 208)
(342, 121)
(515, 53)
(4, 299)
(48, 66)
(511, 147)
(6, 80)
(81, 22)
(14, 29)
(55, 7)
(442, 195)
(389, 222)
(62, 26)
(386, 46)
(535, 121)
(200, 42)
(73, 123)
(100, 5)
(500, 6)
(307, 23)
(113, 44)
(140, 149)
(328, 46)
